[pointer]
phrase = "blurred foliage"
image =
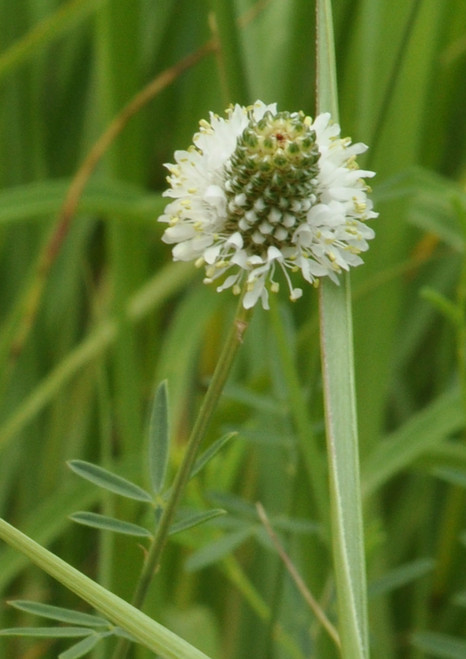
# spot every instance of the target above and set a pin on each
(94, 316)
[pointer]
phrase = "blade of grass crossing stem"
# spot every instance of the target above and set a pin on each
(146, 631)
(340, 407)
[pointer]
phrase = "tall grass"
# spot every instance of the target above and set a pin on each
(94, 316)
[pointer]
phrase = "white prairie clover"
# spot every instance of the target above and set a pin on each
(262, 189)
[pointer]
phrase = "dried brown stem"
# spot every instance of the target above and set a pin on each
(293, 572)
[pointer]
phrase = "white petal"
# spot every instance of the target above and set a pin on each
(179, 232)
(211, 253)
(253, 295)
(184, 252)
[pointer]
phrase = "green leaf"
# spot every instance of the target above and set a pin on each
(421, 432)
(340, 405)
(146, 631)
(400, 576)
(82, 648)
(439, 645)
(453, 476)
(58, 613)
(211, 452)
(295, 525)
(46, 632)
(460, 599)
(108, 481)
(196, 519)
(215, 551)
(105, 523)
(443, 305)
(101, 197)
(432, 209)
(159, 438)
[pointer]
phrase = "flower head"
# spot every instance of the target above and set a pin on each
(262, 190)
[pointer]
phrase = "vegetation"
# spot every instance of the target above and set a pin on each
(95, 96)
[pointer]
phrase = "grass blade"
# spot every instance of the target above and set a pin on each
(146, 631)
(440, 645)
(424, 430)
(340, 407)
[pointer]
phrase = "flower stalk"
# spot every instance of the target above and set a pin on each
(208, 406)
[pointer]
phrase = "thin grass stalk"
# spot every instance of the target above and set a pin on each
(340, 406)
(304, 591)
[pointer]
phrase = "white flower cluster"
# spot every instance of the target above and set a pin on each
(261, 190)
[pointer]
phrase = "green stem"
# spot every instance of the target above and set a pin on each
(209, 404)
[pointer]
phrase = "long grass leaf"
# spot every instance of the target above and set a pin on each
(146, 631)
(340, 407)
(423, 431)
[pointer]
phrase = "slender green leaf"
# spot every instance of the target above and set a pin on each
(340, 406)
(195, 520)
(460, 599)
(453, 476)
(443, 305)
(105, 523)
(211, 452)
(145, 630)
(58, 613)
(431, 208)
(215, 551)
(294, 525)
(401, 576)
(439, 645)
(108, 481)
(46, 632)
(159, 438)
(82, 648)
(420, 433)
